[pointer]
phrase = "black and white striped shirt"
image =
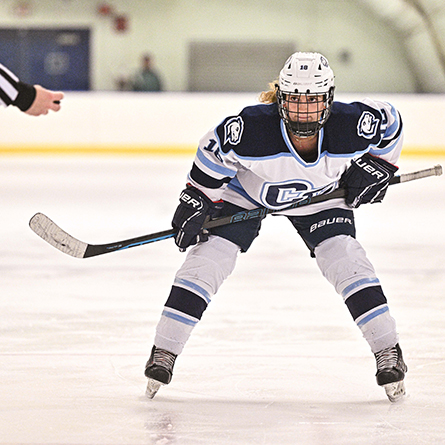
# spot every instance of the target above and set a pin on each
(15, 92)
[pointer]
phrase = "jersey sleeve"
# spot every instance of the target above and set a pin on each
(212, 170)
(391, 129)
(15, 92)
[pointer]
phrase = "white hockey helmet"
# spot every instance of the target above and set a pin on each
(305, 75)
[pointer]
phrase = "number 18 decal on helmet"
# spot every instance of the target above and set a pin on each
(305, 93)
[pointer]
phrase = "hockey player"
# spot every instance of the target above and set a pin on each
(297, 143)
(33, 100)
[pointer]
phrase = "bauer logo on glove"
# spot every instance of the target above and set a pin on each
(193, 210)
(367, 180)
(368, 168)
(187, 199)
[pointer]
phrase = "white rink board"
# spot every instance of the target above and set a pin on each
(176, 121)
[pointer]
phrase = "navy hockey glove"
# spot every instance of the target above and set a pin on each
(367, 180)
(192, 212)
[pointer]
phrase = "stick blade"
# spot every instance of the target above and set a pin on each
(58, 238)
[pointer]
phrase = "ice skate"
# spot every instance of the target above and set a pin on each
(391, 371)
(158, 370)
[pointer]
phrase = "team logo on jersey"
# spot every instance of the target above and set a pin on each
(367, 125)
(278, 196)
(233, 130)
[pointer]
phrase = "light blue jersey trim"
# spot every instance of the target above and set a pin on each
(390, 131)
(378, 151)
(395, 125)
(343, 155)
(215, 167)
(236, 186)
(292, 150)
(321, 154)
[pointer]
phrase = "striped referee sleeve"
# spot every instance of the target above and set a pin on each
(15, 92)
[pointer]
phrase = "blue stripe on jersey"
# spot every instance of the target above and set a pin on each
(255, 158)
(383, 151)
(294, 152)
(215, 167)
(393, 128)
(262, 158)
(320, 144)
(342, 155)
(379, 311)
(235, 185)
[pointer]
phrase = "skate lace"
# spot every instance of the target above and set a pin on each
(164, 358)
(387, 358)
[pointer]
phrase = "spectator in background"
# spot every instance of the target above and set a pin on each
(33, 100)
(147, 79)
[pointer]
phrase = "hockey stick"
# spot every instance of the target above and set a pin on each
(54, 235)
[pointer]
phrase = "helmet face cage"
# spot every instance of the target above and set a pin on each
(305, 93)
(304, 114)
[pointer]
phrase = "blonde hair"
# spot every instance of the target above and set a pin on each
(269, 96)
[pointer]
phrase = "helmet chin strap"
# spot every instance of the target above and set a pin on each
(303, 129)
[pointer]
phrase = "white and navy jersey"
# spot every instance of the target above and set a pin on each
(13, 91)
(249, 159)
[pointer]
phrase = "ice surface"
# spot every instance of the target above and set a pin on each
(276, 359)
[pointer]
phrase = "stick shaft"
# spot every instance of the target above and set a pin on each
(336, 194)
(54, 235)
(433, 171)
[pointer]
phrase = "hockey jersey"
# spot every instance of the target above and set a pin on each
(249, 159)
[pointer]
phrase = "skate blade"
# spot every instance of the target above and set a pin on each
(395, 391)
(152, 388)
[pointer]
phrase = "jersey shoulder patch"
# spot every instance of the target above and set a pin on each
(233, 130)
(367, 125)
(352, 128)
(255, 132)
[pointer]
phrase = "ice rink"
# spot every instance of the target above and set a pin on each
(277, 359)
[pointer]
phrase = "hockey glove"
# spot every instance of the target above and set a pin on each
(367, 180)
(190, 216)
